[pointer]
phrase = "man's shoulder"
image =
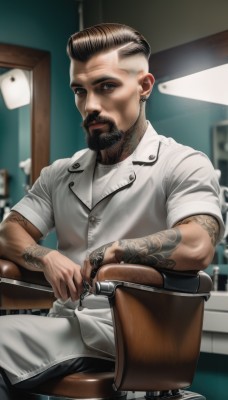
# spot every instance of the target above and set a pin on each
(172, 146)
(166, 144)
(60, 168)
(65, 163)
(176, 152)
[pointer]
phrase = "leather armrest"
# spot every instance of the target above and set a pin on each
(193, 281)
(134, 273)
(21, 289)
(186, 282)
(10, 270)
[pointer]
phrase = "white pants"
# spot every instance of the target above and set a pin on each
(31, 344)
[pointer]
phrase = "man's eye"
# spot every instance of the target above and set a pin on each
(79, 91)
(108, 86)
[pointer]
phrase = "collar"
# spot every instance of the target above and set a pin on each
(148, 148)
(145, 153)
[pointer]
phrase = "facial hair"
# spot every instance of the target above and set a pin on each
(98, 139)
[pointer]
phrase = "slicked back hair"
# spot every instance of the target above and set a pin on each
(107, 36)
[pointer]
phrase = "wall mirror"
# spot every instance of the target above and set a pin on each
(196, 56)
(37, 63)
(15, 133)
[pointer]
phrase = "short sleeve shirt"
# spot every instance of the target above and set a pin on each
(161, 183)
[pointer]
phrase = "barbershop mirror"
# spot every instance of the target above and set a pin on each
(36, 64)
(201, 124)
(15, 134)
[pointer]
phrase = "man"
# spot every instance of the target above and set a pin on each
(132, 197)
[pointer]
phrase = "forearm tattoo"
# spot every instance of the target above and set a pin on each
(13, 217)
(208, 223)
(154, 250)
(33, 255)
(96, 258)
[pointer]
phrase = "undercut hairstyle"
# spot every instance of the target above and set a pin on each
(107, 36)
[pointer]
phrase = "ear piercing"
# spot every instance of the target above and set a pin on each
(143, 99)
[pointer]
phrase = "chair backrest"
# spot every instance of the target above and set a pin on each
(157, 326)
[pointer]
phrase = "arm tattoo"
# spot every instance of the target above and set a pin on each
(154, 250)
(13, 217)
(208, 223)
(96, 258)
(33, 255)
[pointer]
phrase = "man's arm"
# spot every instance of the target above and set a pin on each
(16, 234)
(18, 243)
(189, 245)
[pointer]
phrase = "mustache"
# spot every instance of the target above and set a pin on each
(96, 118)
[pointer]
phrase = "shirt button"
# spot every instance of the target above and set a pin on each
(131, 177)
(76, 166)
(71, 184)
(92, 219)
(151, 157)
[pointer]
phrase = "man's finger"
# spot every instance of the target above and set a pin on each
(86, 271)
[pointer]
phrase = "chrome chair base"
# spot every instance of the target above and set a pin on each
(168, 395)
(173, 395)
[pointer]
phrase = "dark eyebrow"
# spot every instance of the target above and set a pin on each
(99, 80)
(103, 79)
(75, 84)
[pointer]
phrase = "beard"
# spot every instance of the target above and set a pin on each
(98, 139)
(103, 140)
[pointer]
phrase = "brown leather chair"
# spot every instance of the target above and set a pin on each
(157, 318)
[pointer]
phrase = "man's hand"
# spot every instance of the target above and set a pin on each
(101, 256)
(63, 274)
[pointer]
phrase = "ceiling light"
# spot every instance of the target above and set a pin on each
(208, 85)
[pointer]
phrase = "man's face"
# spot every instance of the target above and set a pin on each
(107, 95)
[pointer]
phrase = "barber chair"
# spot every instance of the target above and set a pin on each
(157, 318)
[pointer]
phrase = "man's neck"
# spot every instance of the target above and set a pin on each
(125, 147)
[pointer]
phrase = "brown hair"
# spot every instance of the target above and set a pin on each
(84, 44)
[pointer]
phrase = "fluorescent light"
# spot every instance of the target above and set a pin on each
(208, 85)
(15, 88)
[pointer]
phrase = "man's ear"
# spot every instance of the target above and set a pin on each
(146, 84)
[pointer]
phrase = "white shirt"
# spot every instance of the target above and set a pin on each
(161, 183)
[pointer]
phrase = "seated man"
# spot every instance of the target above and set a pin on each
(132, 197)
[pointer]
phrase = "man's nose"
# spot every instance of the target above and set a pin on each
(92, 104)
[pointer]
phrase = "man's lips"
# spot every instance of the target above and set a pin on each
(97, 125)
